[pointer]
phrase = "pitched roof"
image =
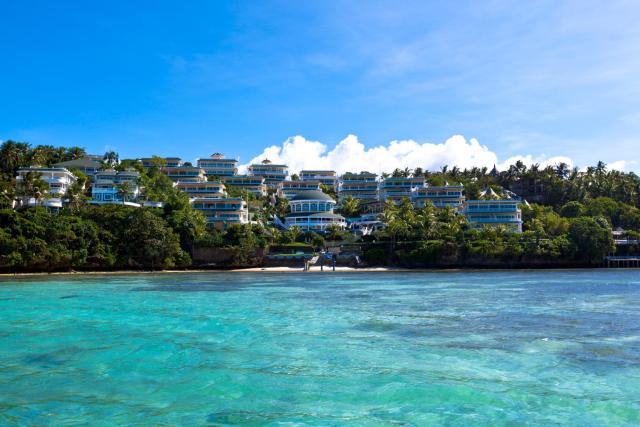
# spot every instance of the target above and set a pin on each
(79, 163)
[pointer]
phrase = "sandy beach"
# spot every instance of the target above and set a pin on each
(316, 268)
(313, 269)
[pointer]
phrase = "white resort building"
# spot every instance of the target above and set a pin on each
(217, 165)
(494, 213)
(59, 180)
(184, 173)
(441, 196)
(107, 187)
(325, 177)
(171, 162)
(222, 212)
(398, 188)
(252, 184)
(288, 189)
(313, 211)
(206, 189)
(272, 174)
(88, 165)
(361, 186)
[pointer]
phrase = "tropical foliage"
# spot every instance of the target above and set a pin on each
(570, 222)
(434, 236)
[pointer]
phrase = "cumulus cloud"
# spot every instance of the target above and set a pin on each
(622, 165)
(350, 155)
(543, 161)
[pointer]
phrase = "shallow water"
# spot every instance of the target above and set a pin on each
(463, 348)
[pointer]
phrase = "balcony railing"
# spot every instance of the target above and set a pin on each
(435, 196)
(483, 209)
(326, 222)
(494, 220)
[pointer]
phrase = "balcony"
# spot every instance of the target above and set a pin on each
(397, 194)
(360, 188)
(436, 195)
(488, 209)
(216, 207)
(234, 218)
(494, 220)
(65, 180)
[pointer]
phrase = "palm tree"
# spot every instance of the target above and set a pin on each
(7, 194)
(111, 158)
(562, 170)
(399, 219)
(75, 195)
(333, 231)
(158, 162)
(294, 232)
(124, 189)
(349, 206)
(74, 153)
(455, 172)
(36, 157)
(33, 186)
(426, 220)
(281, 207)
(58, 155)
(12, 156)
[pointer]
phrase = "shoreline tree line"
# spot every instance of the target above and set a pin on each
(569, 224)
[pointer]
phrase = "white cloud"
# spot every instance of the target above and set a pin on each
(623, 165)
(543, 161)
(350, 155)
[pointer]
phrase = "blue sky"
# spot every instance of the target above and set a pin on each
(540, 79)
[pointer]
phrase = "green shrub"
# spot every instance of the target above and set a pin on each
(375, 256)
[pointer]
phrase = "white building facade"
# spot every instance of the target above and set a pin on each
(108, 184)
(59, 180)
(494, 213)
(313, 211)
(218, 165)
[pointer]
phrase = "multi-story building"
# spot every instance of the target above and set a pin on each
(222, 212)
(184, 173)
(441, 196)
(288, 189)
(252, 184)
(109, 187)
(272, 173)
(171, 162)
(217, 165)
(493, 213)
(397, 188)
(207, 189)
(313, 211)
(361, 186)
(325, 177)
(87, 165)
(58, 179)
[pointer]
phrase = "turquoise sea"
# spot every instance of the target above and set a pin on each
(365, 349)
